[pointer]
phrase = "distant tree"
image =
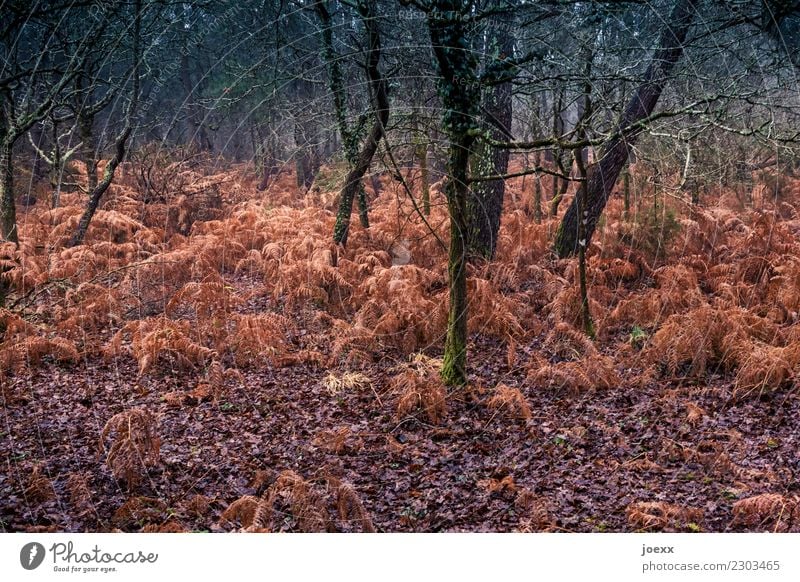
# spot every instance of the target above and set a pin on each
(613, 156)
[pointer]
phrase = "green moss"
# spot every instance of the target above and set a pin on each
(454, 367)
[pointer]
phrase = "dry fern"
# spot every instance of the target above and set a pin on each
(534, 512)
(135, 444)
(511, 401)
(305, 505)
(566, 343)
(39, 488)
(80, 496)
(768, 511)
(242, 510)
(136, 512)
(577, 378)
(349, 507)
(658, 515)
(160, 338)
(419, 385)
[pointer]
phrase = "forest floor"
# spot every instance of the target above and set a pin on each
(575, 465)
(630, 445)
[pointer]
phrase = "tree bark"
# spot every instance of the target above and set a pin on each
(614, 155)
(486, 200)
(422, 156)
(537, 190)
(559, 185)
(353, 184)
(121, 141)
(458, 89)
(96, 194)
(85, 128)
(8, 212)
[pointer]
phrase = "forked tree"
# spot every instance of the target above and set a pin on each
(602, 176)
(359, 159)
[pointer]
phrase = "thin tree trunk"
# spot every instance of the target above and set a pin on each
(96, 194)
(121, 141)
(603, 175)
(454, 368)
(563, 186)
(422, 155)
(8, 212)
(8, 216)
(85, 128)
(559, 186)
(537, 190)
(354, 181)
(580, 195)
(486, 201)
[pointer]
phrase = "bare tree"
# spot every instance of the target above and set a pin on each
(614, 154)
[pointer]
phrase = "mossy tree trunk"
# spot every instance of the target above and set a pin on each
(354, 185)
(460, 94)
(614, 155)
(358, 160)
(422, 156)
(8, 213)
(121, 142)
(486, 198)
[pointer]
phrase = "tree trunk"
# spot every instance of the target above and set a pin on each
(121, 141)
(304, 158)
(454, 368)
(8, 211)
(354, 182)
(85, 128)
(614, 155)
(486, 200)
(560, 186)
(96, 194)
(422, 156)
(458, 88)
(537, 190)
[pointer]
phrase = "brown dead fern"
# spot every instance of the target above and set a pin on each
(771, 511)
(511, 401)
(135, 445)
(658, 515)
(418, 385)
